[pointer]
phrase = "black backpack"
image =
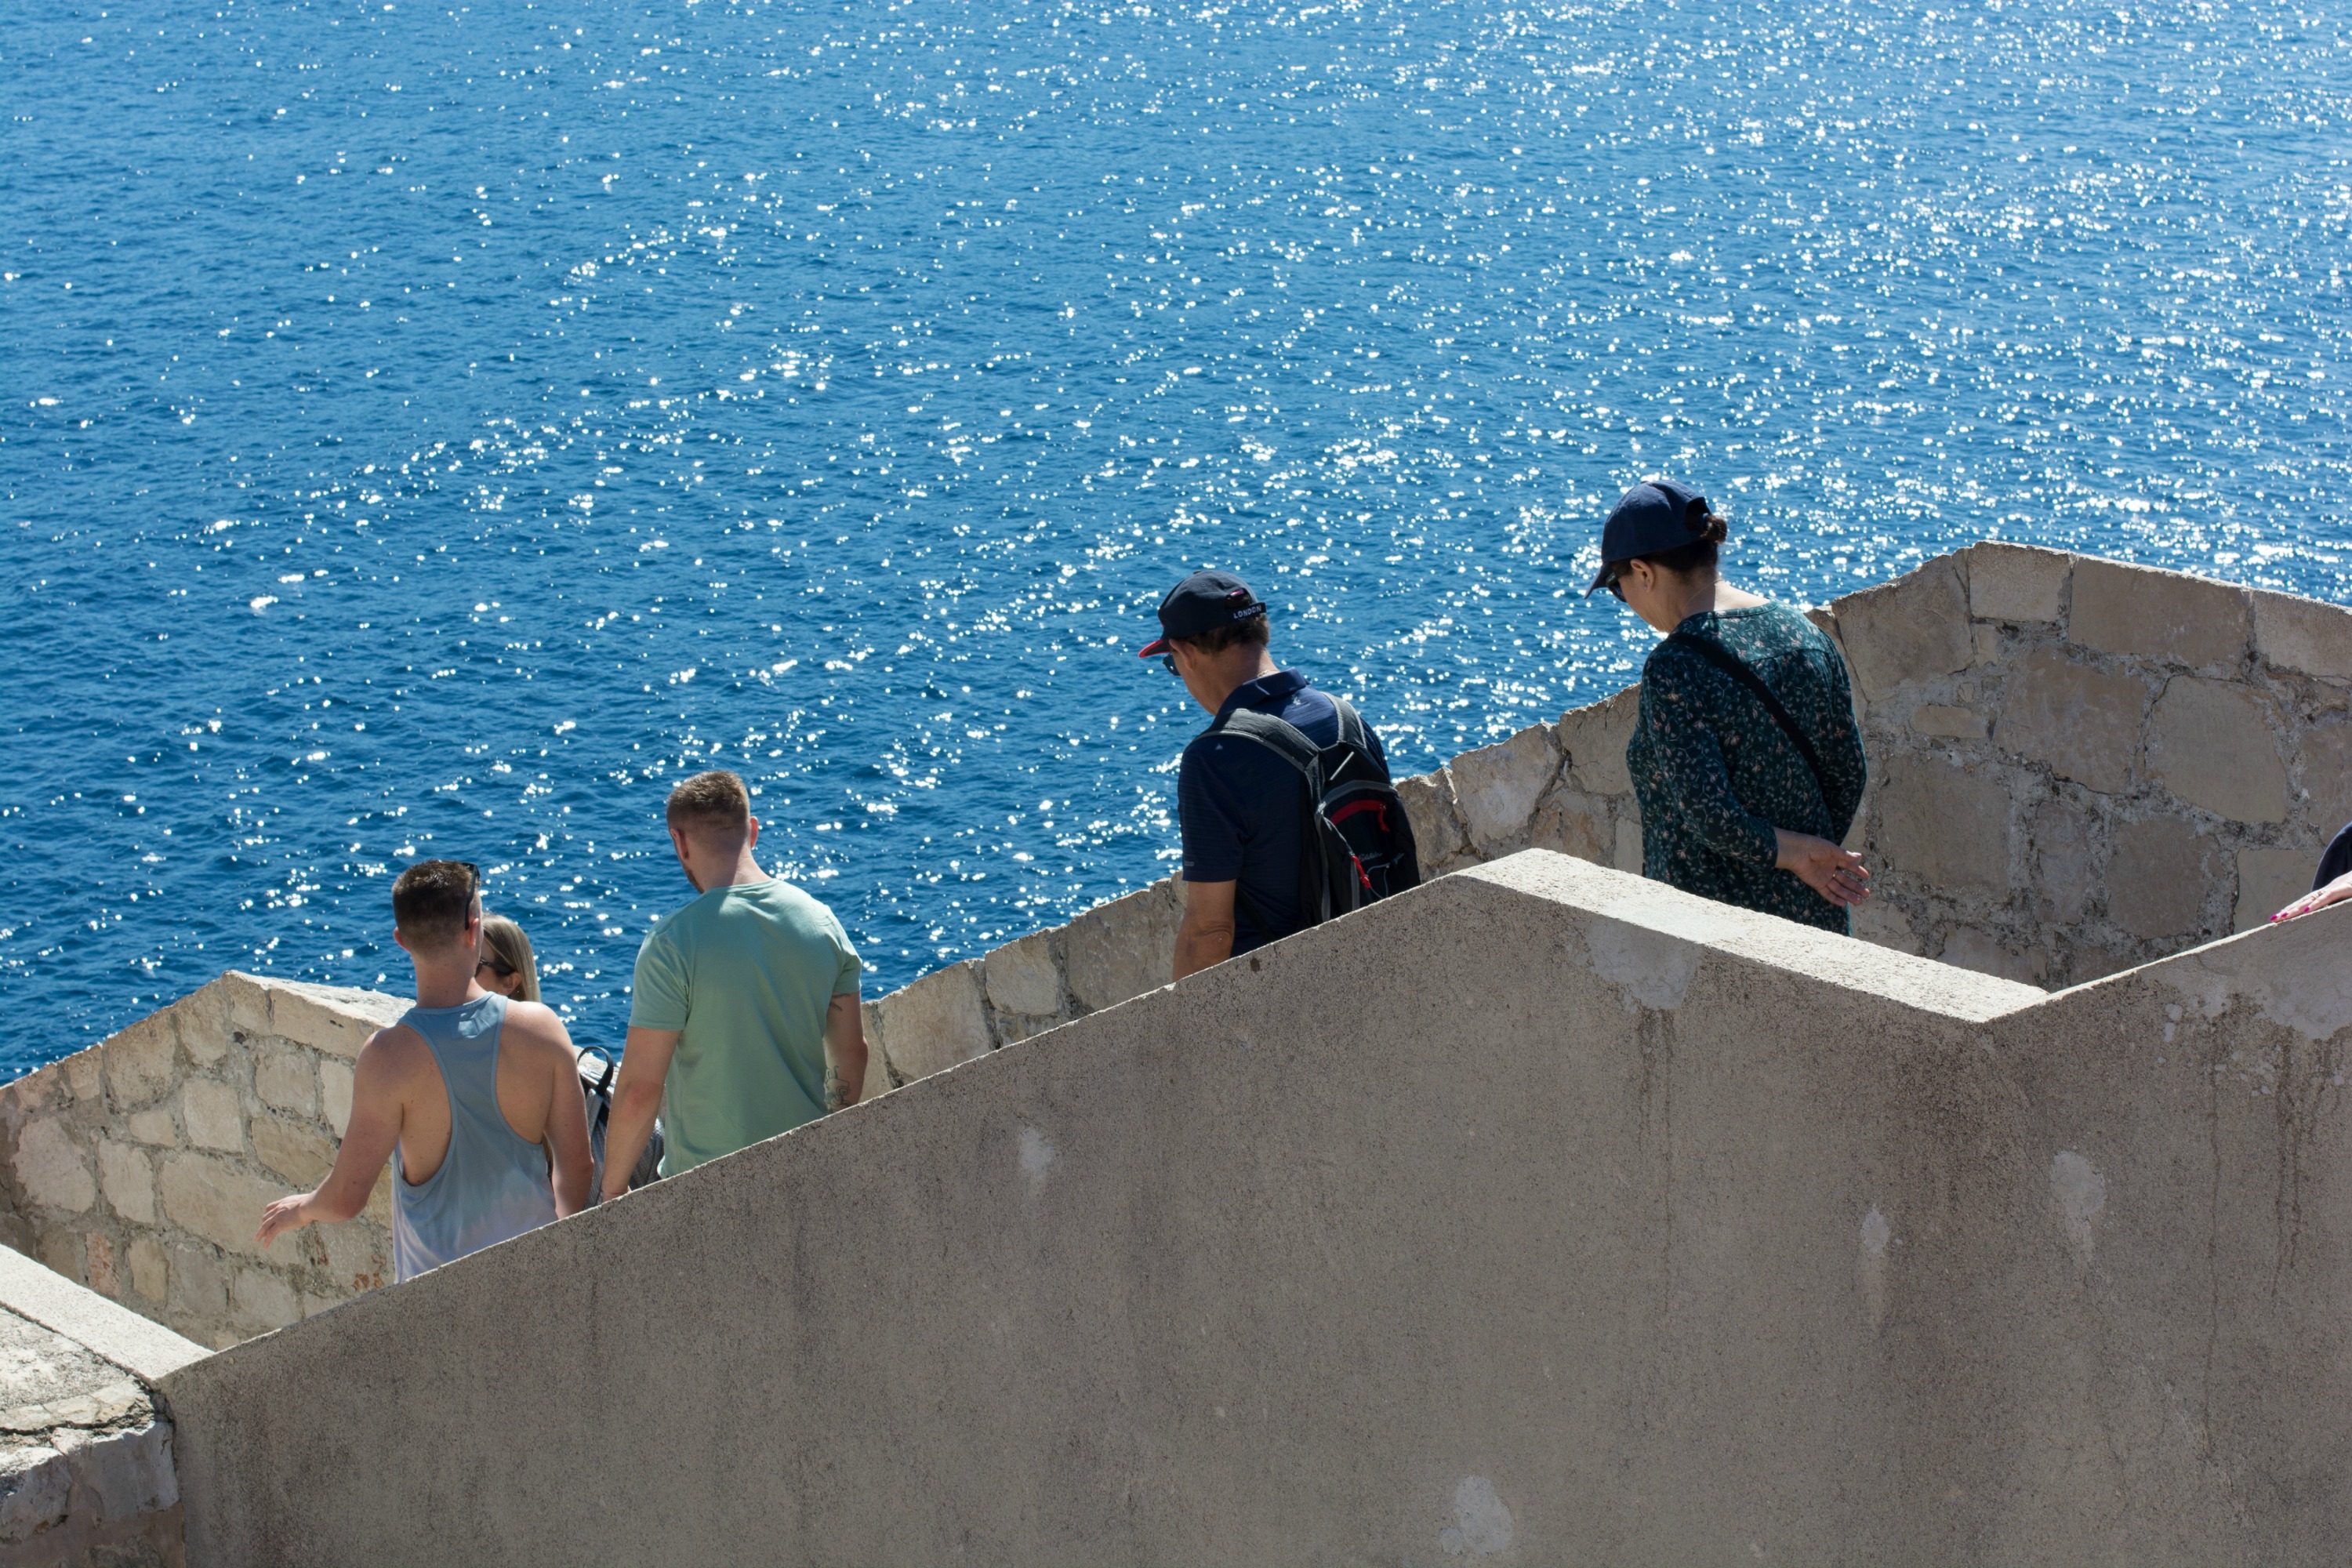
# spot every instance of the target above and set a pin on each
(1356, 840)
(597, 1086)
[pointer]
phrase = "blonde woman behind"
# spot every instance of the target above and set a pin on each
(508, 966)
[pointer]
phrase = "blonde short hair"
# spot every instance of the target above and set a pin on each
(711, 804)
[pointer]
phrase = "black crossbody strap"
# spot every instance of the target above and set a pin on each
(1732, 665)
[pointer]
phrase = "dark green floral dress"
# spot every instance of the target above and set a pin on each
(1716, 775)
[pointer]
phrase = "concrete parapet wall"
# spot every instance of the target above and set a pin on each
(140, 1166)
(1540, 1214)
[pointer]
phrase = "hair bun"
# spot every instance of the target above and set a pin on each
(1713, 530)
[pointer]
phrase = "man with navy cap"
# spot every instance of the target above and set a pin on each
(1238, 801)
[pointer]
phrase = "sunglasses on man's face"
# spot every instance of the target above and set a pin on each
(1168, 662)
(474, 873)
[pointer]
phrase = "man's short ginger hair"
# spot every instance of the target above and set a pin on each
(433, 901)
(711, 805)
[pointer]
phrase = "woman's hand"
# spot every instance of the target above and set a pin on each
(2336, 892)
(1834, 873)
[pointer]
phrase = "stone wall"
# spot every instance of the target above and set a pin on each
(1112, 953)
(88, 1477)
(2076, 766)
(140, 1167)
(1543, 1214)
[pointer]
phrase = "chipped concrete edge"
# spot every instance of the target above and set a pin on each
(145, 1349)
(1923, 983)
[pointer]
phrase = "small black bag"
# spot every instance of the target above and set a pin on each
(596, 1085)
(1358, 845)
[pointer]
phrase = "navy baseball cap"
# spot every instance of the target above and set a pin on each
(1203, 603)
(1648, 519)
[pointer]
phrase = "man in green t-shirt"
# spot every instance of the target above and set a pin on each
(745, 1005)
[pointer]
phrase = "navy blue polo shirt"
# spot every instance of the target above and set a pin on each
(1241, 805)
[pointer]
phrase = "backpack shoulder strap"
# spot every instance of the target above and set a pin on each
(1352, 732)
(1289, 742)
(1732, 665)
(1279, 736)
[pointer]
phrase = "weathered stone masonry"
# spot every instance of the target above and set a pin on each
(2077, 766)
(140, 1166)
(89, 1478)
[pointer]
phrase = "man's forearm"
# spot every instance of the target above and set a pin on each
(844, 1052)
(1203, 945)
(322, 1206)
(844, 1076)
(634, 1106)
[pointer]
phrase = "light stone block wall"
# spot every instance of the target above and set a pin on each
(1112, 953)
(140, 1166)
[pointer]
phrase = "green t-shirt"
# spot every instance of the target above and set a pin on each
(745, 974)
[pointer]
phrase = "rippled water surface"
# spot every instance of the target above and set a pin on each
(435, 431)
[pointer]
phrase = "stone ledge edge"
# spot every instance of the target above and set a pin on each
(140, 1346)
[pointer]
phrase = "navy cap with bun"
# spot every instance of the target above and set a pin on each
(1200, 604)
(1648, 520)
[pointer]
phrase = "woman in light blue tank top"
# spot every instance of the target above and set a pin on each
(492, 1186)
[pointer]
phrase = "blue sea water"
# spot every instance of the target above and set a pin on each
(434, 430)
